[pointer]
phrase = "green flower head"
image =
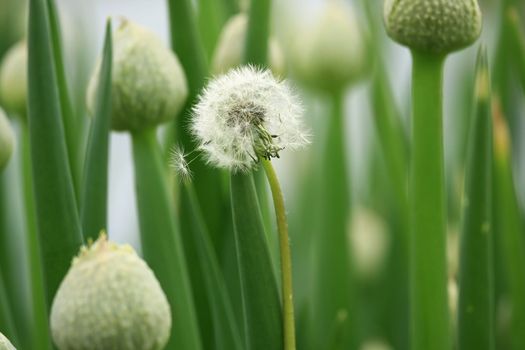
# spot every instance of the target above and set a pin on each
(433, 26)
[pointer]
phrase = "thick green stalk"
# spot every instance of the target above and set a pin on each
(161, 241)
(95, 186)
(68, 117)
(40, 325)
(286, 257)
(475, 308)
(211, 19)
(333, 283)
(429, 309)
(260, 298)
(56, 209)
(509, 228)
(258, 32)
(226, 335)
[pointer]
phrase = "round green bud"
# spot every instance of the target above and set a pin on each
(332, 53)
(433, 26)
(7, 140)
(13, 79)
(148, 84)
(5, 344)
(110, 299)
(230, 48)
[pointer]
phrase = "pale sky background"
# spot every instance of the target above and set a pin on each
(83, 24)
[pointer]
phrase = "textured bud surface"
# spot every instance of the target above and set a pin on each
(5, 344)
(148, 84)
(246, 115)
(13, 79)
(230, 48)
(7, 139)
(332, 53)
(110, 299)
(433, 26)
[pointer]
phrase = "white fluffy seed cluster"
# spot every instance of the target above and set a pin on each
(246, 115)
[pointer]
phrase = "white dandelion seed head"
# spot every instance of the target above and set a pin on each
(179, 163)
(246, 115)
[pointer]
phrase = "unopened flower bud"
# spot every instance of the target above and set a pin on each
(7, 139)
(332, 53)
(230, 47)
(5, 344)
(110, 299)
(13, 79)
(436, 27)
(148, 84)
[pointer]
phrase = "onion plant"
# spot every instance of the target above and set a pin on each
(217, 266)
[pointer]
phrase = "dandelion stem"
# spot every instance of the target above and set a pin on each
(286, 259)
(429, 309)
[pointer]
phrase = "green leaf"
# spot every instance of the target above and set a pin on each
(260, 297)
(56, 209)
(225, 330)
(95, 186)
(68, 118)
(6, 319)
(475, 307)
(509, 228)
(161, 242)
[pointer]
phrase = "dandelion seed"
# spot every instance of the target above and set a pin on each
(247, 115)
(179, 163)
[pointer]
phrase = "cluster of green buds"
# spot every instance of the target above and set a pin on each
(13, 79)
(148, 84)
(230, 48)
(5, 344)
(435, 27)
(332, 53)
(7, 140)
(110, 299)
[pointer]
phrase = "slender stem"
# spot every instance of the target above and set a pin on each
(286, 257)
(429, 309)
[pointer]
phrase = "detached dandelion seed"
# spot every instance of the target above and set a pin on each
(179, 163)
(245, 116)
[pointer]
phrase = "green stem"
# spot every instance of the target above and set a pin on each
(161, 241)
(286, 257)
(333, 295)
(429, 309)
(475, 306)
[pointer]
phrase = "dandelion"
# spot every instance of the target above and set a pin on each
(245, 116)
(5, 344)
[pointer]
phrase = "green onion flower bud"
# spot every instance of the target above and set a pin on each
(13, 79)
(331, 54)
(5, 344)
(433, 26)
(148, 84)
(230, 48)
(110, 299)
(7, 140)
